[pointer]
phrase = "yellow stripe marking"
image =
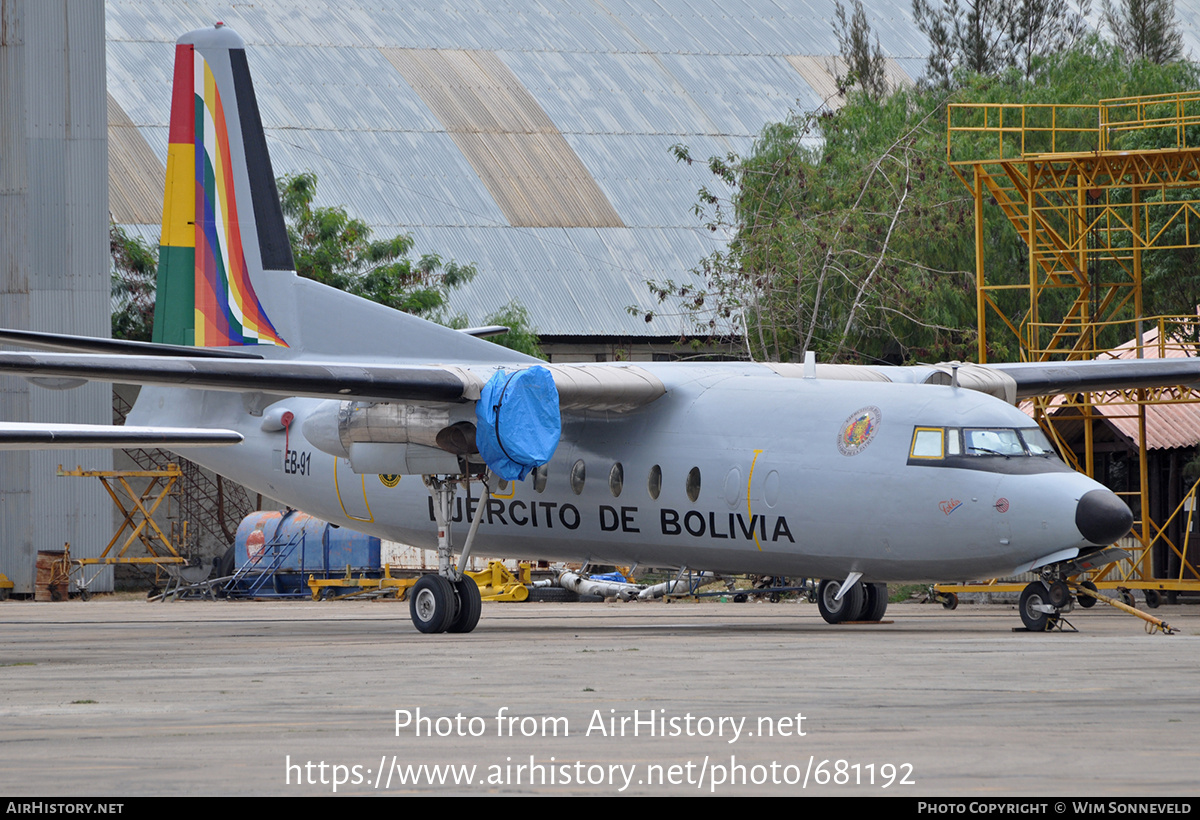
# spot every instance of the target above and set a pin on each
(750, 478)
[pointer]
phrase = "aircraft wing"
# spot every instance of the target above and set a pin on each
(29, 436)
(1049, 378)
(580, 387)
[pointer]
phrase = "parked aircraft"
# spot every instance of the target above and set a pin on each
(401, 428)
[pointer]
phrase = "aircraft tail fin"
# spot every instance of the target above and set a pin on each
(222, 223)
(225, 260)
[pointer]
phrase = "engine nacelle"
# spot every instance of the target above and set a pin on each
(403, 439)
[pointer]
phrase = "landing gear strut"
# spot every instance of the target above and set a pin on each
(448, 601)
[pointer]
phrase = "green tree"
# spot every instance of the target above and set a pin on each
(336, 249)
(865, 64)
(860, 246)
(984, 37)
(134, 264)
(1145, 29)
(521, 335)
(822, 251)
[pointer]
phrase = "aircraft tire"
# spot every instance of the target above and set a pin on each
(431, 604)
(849, 608)
(469, 606)
(1086, 601)
(1058, 595)
(876, 603)
(1033, 596)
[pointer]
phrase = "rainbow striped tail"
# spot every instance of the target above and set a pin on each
(222, 226)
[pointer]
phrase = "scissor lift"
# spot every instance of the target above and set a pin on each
(138, 509)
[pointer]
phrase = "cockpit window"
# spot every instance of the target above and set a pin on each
(927, 442)
(992, 449)
(992, 442)
(1036, 442)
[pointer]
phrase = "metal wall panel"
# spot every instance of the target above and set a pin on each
(135, 176)
(56, 268)
(526, 165)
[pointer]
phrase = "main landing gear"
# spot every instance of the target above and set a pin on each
(448, 601)
(437, 604)
(860, 602)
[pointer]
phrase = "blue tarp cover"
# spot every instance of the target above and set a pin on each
(518, 423)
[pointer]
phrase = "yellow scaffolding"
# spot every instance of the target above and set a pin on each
(138, 519)
(1090, 189)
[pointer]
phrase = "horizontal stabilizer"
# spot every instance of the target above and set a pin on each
(485, 331)
(28, 436)
(66, 343)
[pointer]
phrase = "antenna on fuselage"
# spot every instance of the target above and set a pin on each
(810, 364)
(954, 374)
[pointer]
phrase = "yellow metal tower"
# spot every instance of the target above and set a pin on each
(1090, 189)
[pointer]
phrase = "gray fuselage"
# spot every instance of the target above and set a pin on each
(787, 483)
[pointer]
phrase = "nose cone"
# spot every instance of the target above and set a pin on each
(1102, 517)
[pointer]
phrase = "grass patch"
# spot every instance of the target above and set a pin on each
(898, 593)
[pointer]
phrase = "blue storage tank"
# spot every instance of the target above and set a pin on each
(310, 546)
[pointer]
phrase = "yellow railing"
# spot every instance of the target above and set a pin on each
(1077, 338)
(1004, 131)
(1170, 112)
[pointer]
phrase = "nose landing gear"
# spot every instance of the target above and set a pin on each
(1042, 604)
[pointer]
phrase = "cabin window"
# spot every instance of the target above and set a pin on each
(654, 482)
(578, 474)
(693, 483)
(928, 442)
(539, 477)
(616, 479)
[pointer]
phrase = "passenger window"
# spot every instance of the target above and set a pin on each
(539, 477)
(693, 483)
(927, 442)
(654, 482)
(578, 473)
(616, 479)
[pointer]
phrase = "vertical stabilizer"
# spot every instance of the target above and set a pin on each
(222, 224)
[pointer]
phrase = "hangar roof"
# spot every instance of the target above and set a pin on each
(531, 137)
